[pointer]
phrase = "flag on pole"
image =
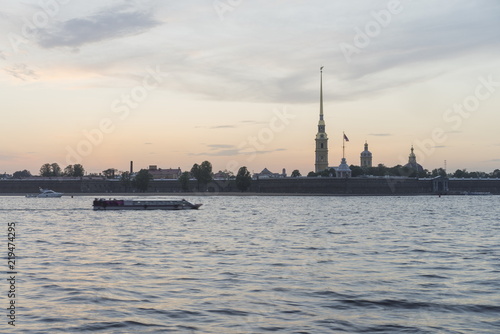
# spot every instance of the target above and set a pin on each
(345, 138)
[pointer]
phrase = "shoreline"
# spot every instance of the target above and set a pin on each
(265, 187)
(226, 194)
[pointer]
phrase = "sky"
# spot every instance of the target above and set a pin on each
(236, 82)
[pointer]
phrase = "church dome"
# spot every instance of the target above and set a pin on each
(412, 162)
(366, 153)
(343, 167)
(414, 166)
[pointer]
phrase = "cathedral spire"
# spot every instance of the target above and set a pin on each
(321, 93)
(321, 138)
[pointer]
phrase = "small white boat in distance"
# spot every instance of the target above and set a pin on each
(142, 204)
(45, 193)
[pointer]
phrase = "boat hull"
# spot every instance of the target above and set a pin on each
(101, 204)
(45, 193)
(147, 207)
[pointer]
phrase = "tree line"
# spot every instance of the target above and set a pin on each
(204, 175)
(140, 181)
(53, 169)
(399, 170)
(201, 172)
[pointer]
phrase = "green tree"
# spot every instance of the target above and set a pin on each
(78, 170)
(356, 170)
(126, 180)
(69, 170)
(46, 170)
(196, 172)
(230, 174)
(109, 173)
(56, 170)
(21, 174)
(142, 179)
(495, 173)
(424, 173)
(296, 173)
(482, 175)
(478, 174)
(73, 170)
(403, 171)
(329, 172)
(398, 170)
(243, 179)
(184, 180)
(438, 172)
(461, 173)
(202, 173)
(312, 174)
(380, 170)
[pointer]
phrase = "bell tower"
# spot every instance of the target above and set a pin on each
(366, 157)
(321, 138)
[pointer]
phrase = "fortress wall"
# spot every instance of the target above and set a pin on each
(333, 186)
(475, 185)
(368, 186)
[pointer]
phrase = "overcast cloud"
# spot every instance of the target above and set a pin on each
(21, 71)
(271, 52)
(107, 24)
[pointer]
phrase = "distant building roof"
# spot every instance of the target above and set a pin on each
(343, 169)
(167, 173)
(266, 173)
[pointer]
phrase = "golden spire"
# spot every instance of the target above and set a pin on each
(321, 94)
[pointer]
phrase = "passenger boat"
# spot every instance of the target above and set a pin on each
(142, 204)
(45, 193)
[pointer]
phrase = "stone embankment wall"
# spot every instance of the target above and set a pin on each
(474, 185)
(331, 186)
(353, 186)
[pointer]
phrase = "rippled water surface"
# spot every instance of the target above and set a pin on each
(258, 264)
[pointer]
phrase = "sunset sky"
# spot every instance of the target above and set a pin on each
(236, 82)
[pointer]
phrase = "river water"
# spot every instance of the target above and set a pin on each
(260, 264)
